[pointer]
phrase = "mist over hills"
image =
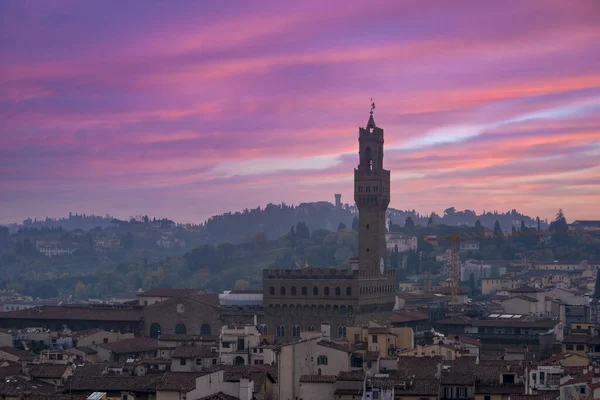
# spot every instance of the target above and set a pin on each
(274, 220)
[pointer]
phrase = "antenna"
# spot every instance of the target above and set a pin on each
(372, 105)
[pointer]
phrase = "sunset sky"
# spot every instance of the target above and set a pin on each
(191, 108)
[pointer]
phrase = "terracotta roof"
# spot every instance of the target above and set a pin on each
(348, 392)
(417, 387)
(87, 332)
(523, 297)
(17, 385)
(382, 383)
(86, 313)
(469, 340)
(134, 345)
(146, 383)
(499, 389)
(86, 349)
(544, 323)
(169, 292)
(380, 330)
(9, 368)
(180, 381)
(188, 338)
(335, 346)
(525, 289)
(351, 376)
(154, 361)
(90, 369)
(219, 396)
(576, 338)
(183, 351)
(22, 354)
(47, 371)
(456, 321)
(457, 378)
(318, 378)
(407, 316)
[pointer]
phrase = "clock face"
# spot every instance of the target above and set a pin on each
(381, 266)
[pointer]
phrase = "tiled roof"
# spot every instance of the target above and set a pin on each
(90, 369)
(348, 392)
(134, 345)
(544, 323)
(524, 297)
(499, 389)
(382, 383)
(17, 385)
(81, 334)
(184, 351)
(333, 345)
(525, 289)
(9, 368)
(318, 378)
(457, 378)
(576, 338)
(169, 292)
(418, 387)
(22, 354)
(351, 376)
(219, 396)
(86, 313)
(180, 381)
(407, 316)
(146, 383)
(47, 371)
(380, 330)
(188, 338)
(86, 350)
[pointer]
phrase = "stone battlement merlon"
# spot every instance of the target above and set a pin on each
(309, 273)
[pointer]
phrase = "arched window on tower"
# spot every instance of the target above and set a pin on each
(338, 291)
(304, 291)
(369, 159)
(296, 331)
(342, 332)
(282, 291)
(348, 291)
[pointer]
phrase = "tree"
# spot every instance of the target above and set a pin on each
(430, 220)
(472, 284)
(560, 229)
(146, 219)
(409, 224)
(127, 241)
(497, 229)
(597, 287)
(341, 226)
(241, 284)
(479, 231)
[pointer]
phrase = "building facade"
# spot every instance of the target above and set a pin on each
(300, 300)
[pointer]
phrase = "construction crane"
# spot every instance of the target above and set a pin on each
(455, 240)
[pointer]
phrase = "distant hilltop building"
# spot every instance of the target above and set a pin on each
(301, 300)
(586, 226)
(338, 200)
(403, 242)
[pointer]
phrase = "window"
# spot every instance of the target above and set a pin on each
(240, 344)
(105, 340)
(214, 361)
(293, 290)
(180, 329)
(348, 291)
(579, 347)
(282, 291)
(272, 291)
(205, 329)
(281, 331)
(198, 361)
(374, 338)
(304, 291)
(582, 390)
(342, 332)
(508, 378)
(326, 291)
(448, 392)
(356, 338)
(182, 361)
(487, 397)
(462, 392)
(296, 331)
(322, 360)
(155, 331)
(258, 362)
(376, 395)
(263, 329)
(338, 291)
(315, 291)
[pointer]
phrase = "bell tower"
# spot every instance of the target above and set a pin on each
(372, 197)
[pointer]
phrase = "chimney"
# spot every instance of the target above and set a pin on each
(255, 320)
(246, 387)
(325, 331)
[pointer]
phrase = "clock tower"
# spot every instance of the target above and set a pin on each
(372, 197)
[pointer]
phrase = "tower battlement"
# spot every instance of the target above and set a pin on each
(309, 273)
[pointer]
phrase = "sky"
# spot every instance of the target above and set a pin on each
(194, 108)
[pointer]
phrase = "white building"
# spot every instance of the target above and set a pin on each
(403, 242)
(242, 345)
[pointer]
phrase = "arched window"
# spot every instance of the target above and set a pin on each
(272, 291)
(155, 331)
(311, 328)
(338, 291)
(326, 291)
(282, 291)
(263, 329)
(205, 329)
(304, 291)
(342, 332)
(293, 290)
(315, 291)
(348, 291)
(296, 331)
(343, 310)
(239, 360)
(369, 158)
(321, 360)
(281, 331)
(350, 310)
(180, 329)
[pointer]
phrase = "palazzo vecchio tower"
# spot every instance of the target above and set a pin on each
(298, 300)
